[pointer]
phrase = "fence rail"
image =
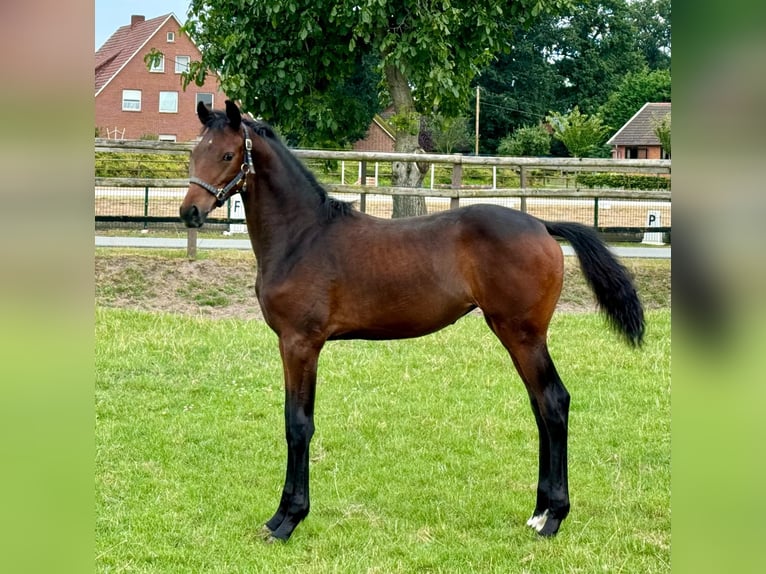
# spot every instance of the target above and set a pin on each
(146, 200)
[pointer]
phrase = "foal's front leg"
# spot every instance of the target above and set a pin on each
(300, 365)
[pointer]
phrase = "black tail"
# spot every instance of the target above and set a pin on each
(609, 280)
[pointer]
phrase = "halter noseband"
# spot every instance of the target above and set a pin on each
(236, 185)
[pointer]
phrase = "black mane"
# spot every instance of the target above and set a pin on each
(330, 206)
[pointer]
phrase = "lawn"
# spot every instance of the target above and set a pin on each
(424, 459)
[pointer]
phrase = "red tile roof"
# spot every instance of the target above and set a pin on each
(639, 130)
(121, 46)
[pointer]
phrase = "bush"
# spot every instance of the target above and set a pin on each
(621, 181)
(158, 166)
(532, 141)
(580, 133)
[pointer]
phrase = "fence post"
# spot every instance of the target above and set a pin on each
(191, 243)
(146, 206)
(523, 185)
(363, 181)
(457, 182)
(595, 213)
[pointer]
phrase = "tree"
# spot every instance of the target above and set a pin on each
(652, 21)
(287, 60)
(449, 134)
(595, 48)
(519, 87)
(532, 141)
(580, 133)
(577, 57)
(636, 89)
(662, 131)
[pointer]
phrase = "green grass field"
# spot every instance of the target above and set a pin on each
(424, 459)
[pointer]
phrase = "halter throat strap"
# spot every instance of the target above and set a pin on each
(239, 183)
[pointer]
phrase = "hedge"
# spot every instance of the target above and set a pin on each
(115, 164)
(622, 181)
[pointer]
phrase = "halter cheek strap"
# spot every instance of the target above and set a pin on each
(236, 185)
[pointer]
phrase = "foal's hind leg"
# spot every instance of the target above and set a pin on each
(550, 405)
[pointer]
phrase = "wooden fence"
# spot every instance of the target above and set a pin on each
(545, 187)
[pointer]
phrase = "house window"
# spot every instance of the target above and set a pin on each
(207, 99)
(182, 64)
(167, 138)
(171, 37)
(158, 65)
(131, 100)
(169, 102)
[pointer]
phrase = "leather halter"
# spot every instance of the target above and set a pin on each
(236, 185)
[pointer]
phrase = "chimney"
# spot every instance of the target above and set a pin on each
(136, 19)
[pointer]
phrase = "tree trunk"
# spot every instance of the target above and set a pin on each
(406, 124)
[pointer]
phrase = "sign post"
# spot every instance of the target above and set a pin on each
(653, 219)
(237, 211)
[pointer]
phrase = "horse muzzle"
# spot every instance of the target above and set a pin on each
(192, 216)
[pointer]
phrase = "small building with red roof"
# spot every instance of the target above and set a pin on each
(636, 139)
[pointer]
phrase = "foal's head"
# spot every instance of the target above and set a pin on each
(217, 167)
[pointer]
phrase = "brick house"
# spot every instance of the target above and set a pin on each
(636, 139)
(133, 102)
(379, 137)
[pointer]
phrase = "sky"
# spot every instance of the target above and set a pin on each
(111, 14)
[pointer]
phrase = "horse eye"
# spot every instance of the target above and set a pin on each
(228, 156)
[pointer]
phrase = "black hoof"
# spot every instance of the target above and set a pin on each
(545, 524)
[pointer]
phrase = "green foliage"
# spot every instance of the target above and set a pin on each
(450, 135)
(621, 181)
(153, 58)
(636, 89)
(652, 21)
(305, 65)
(580, 133)
(662, 131)
(405, 123)
(526, 141)
(160, 166)
(576, 58)
(592, 50)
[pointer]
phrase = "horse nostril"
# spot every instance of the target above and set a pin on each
(191, 216)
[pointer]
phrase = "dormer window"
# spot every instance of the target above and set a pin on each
(171, 37)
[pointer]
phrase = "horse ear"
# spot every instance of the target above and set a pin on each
(233, 113)
(203, 113)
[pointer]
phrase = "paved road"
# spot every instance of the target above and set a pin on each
(205, 243)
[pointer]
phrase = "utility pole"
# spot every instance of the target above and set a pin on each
(477, 120)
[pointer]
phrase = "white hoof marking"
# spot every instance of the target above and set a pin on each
(538, 522)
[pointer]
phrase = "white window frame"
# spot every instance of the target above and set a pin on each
(167, 138)
(131, 96)
(171, 37)
(180, 68)
(159, 68)
(168, 111)
(197, 100)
